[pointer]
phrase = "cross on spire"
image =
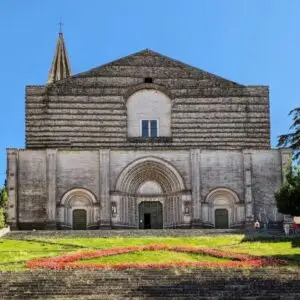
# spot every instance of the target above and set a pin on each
(60, 26)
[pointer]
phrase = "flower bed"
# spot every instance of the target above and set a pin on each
(69, 261)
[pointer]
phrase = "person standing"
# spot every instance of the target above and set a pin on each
(257, 225)
(286, 228)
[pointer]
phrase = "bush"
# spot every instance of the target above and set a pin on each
(3, 204)
(2, 218)
(288, 197)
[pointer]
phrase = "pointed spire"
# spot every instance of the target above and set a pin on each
(60, 68)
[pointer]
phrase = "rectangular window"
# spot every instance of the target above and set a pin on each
(145, 128)
(149, 128)
(153, 128)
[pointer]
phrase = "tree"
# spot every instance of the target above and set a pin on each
(3, 196)
(292, 139)
(288, 197)
(3, 203)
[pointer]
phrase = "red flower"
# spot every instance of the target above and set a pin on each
(68, 261)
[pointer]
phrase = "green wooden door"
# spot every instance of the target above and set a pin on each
(150, 215)
(221, 218)
(79, 219)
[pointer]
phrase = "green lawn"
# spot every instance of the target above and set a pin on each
(161, 256)
(14, 253)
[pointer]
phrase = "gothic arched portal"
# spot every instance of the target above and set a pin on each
(147, 180)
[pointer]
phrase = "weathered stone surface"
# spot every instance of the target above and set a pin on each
(203, 284)
(97, 99)
(84, 149)
(251, 175)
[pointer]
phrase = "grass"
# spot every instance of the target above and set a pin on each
(14, 253)
(161, 256)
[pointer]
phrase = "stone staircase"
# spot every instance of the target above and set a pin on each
(177, 284)
(137, 233)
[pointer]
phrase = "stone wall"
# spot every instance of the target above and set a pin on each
(221, 169)
(78, 169)
(38, 180)
(266, 179)
(32, 188)
(88, 110)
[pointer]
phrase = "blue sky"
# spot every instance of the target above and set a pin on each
(248, 41)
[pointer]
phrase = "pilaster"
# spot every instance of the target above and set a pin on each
(51, 188)
(195, 157)
(286, 162)
(12, 188)
(286, 165)
(105, 213)
(248, 187)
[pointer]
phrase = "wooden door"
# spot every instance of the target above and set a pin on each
(79, 219)
(221, 218)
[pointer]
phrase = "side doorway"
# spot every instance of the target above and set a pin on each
(221, 218)
(150, 215)
(79, 219)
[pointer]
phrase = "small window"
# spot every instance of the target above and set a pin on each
(149, 128)
(148, 80)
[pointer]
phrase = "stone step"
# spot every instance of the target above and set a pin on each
(121, 233)
(151, 284)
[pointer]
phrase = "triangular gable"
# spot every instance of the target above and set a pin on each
(149, 58)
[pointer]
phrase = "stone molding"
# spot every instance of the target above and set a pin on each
(146, 86)
(131, 175)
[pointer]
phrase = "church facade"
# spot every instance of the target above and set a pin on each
(143, 142)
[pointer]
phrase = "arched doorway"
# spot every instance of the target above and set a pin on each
(221, 218)
(223, 209)
(150, 215)
(80, 204)
(79, 219)
(150, 179)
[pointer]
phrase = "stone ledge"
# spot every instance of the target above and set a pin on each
(159, 139)
(4, 231)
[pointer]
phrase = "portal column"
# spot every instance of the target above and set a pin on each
(195, 181)
(51, 188)
(105, 212)
(12, 188)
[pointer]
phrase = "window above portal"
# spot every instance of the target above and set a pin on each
(148, 114)
(149, 128)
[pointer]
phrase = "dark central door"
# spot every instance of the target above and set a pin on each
(79, 219)
(147, 221)
(221, 218)
(150, 215)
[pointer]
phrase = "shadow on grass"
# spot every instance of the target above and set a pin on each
(292, 259)
(46, 242)
(294, 240)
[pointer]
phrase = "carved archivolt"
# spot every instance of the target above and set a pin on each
(222, 196)
(77, 199)
(149, 169)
